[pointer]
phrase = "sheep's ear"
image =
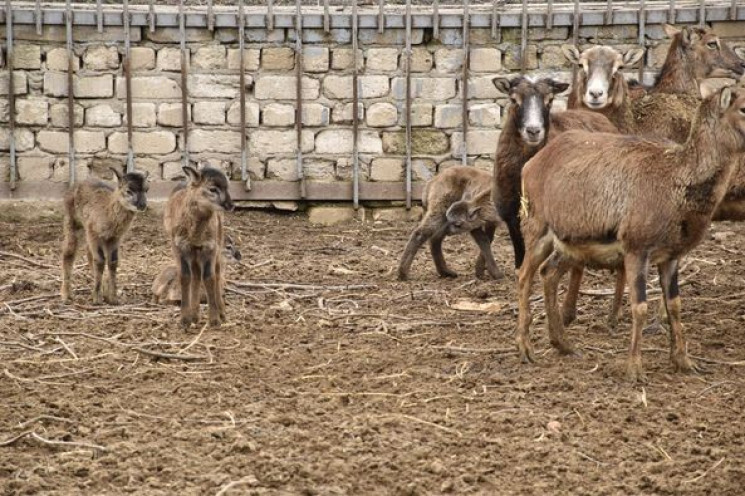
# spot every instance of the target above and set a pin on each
(670, 30)
(473, 212)
(725, 98)
(146, 175)
(571, 53)
(117, 174)
(467, 196)
(192, 174)
(686, 36)
(558, 87)
(504, 85)
(632, 56)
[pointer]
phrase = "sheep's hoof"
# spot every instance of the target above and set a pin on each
(215, 322)
(496, 274)
(449, 274)
(187, 321)
(564, 348)
(111, 300)
(681, 363)
(402, 276)
(634, 371)
(568, 317)
(527, 355)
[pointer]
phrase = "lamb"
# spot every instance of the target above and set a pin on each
(457, 200)
(527, 127)
(638, 202)
(105, 213)
(193, 221)
(166, 287)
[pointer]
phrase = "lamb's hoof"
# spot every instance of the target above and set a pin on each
(111, 300)
(448, 274)
(496, 274)
(403, 276)
(215, 322)
(568, 317)
(187, 321)
(635, 373)
(566, 349)
(66, 299)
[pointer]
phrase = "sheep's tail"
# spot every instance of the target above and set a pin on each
(524, 202)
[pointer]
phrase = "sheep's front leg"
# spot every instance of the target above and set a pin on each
(220, 282)
(483, 238)
(110, 295)
(552, 271)
(207, 261)
(187, 315)
(69, 247)
(421, 234)
(671, 298)
(97, 254)
(435, 247)
(636, 266)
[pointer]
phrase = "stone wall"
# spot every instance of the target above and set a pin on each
(101, 139)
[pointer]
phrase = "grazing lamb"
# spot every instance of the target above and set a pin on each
(527, 127)
(167, 285)
(105, 213)
(636, 203)
(193, 221)
(457, 200)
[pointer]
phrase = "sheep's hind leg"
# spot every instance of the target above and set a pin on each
(671, 300)
(187, 316)
(551, 271)
(636, 272)
(421, 234)
(435, 247)
(69, 248)
(96, 252)
(210, 287)
(110, 292)
(617, 302)
(486, 256)
(569, 309)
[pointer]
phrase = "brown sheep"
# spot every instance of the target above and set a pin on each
(457, 200)
(638, 202)
(105, 213)
(193, 221)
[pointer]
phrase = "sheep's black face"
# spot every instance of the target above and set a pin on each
(230, 252)
(216, 188)
(133, 187)
(463, 217)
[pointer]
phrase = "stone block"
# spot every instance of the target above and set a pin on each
(32, 112)
(277, 58)
(340, 141)
(448, 60)
(26, 56)
(57, 60)
(340, 87)
(342, 113)
(331, 215)
(609, 33)
(209, 57)
(382, 59)
(316, 114)
(143, 115)
(482, 88)
(423, 169)
(172, 35)
(485, 115)
(149, 88)
(479, 142)
(342, 58)
(278, 115)
(448, 116)
(171, 114)
(59, 116)
(382, 114)
(421, 60)
(421, 115)
(553, 58)
(53, 33)
(212, 113)
(251, 57)
(24, 139)
(215, 86)
(395, 37)
(513, 35)
(512, 57)
(428, 88)
(142, 58)
(20, 83)
(102, 116)
(485, 60)
(270, 142)
(252, 35)
(202, 140)
(387, 169)
(315, 59)
(169, 59)
(656, 55)
(153, 143)
(284, 88)
(93, 86)
(252, 114)
(423, 142)
(35, 167)
(85, 141)
(101, 58)
(314, 169)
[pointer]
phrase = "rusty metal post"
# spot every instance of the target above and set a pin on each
(524, 37)
(733, 10)
(38, 16)
(576, 15)
(70, 94)
(702, 13)
(151, 15)
(299, 94)
(210, 16)
(381, 16)
(326, 17)
(128, 83)
(609, 12)
(408, 104)
(184, 81)
(642, 37)
(496, 28)
(464, 81)
(550, 14)
(671, 14)
(270, 14)
(436, 19)
(355, 111)
(245, 176)
(11, 93)
(99, 16)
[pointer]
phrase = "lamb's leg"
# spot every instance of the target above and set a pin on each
(421, 234)
(636, 266)
(435, 247)
(615, 306)
(96, 251)
(569, 310)
(483, 238)
(196, 286)
(187, 316)
(210, 287)
(220, 282)
(552, 271)
(110, 295)
(69, 247)
(671, 299)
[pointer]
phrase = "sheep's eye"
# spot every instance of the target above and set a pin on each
(214, 191)
(712, 45)
(742, 110)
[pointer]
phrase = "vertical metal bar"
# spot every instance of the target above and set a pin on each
(671, 13)
(299, 86)
(355, 112)
(524, 38)
(210, 16)
(550, 14)
(609, 12)
(496, 29)
(270, 14)
(642, 36)
(11, 93)
(151, 15)
(464, 81)
(575, 23)
(128, 84)
(38, 17)
(70, 94)
(245, 177)
(184, 84)
(381, 16)
(702, 13)
(99, 16)
(733, 10)
(436, 19)
(326, 19)
(408, 104)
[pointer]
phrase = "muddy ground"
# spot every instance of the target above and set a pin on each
(334, 378)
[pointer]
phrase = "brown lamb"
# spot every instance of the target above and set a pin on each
(105, 214)
(457, 200)
(193, 221)
(639, 202)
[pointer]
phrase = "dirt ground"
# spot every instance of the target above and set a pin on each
(334, 378)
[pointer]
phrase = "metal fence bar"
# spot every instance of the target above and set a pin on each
(550, 14)
(326, 19)
(702, 13)
(11, 93)
(436, 19)
(151, 15)
(70, 94)
(408, 104)
(671, 13)
(355, 112)
(575, 23)
(99, 16)
(270, 14)
(609, 12)
(524, 37)
(733, 10)
(299, 94)
(184, 81)
(128, 84)
(38, 17)
(496, 29)
(642, 36)
(210, 16)
(245, 176)
(381, 16)
(464, 82)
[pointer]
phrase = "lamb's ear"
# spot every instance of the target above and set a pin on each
(686, 36)
(558, 87)
(192, 174)
(467, 196)
(473, 212)
(670, 30)
(571, 53)
(632, 56)
(117, 174)
(504, 85)
(725, 98)
(146, 175)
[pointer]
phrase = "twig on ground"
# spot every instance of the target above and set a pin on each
(705, 472)
(52, 442)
